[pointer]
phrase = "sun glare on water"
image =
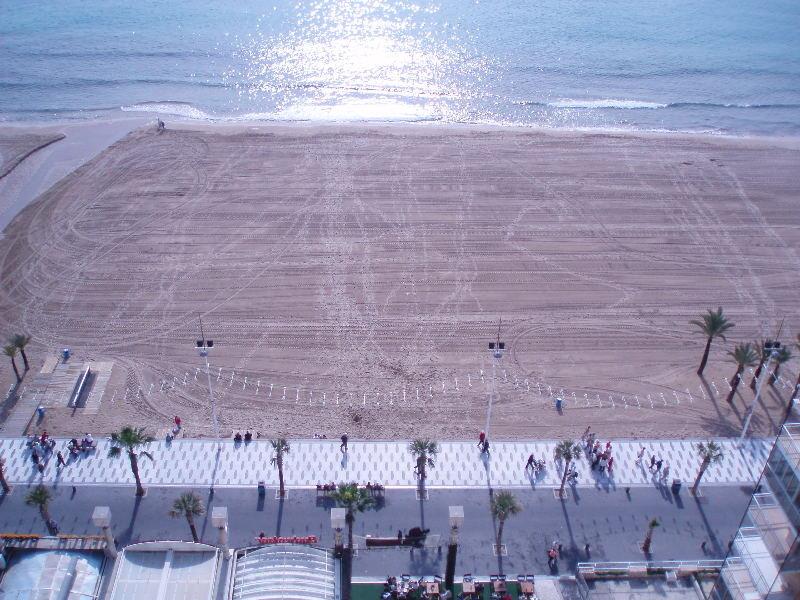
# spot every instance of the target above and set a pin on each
(354, 59)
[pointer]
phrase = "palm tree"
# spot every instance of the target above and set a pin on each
(190, 506)
(504, 505)
(3, 482)
(745, 356)
(648, 539)
(131, 439)
(714, 324)
(11, 351)
(353, 499)
(19, 341)
(40, 497)
(764, 355)
(781, 356)
(710, 453)
(424, 452)
(281, 447)
(567, 451)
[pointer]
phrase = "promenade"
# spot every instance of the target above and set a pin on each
(459, 465)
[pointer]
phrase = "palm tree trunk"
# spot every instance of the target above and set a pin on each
(756, 375)
(16, 371)
(703, 467)
(135, 470)
(24, 358)
(774, 377)
(648, 539)
(564, 478)
(500, 535)
(703, 362)
(45, 515)
(3, 482)
(281, 489)
(350, 518)
(735, 383)
(192, 527)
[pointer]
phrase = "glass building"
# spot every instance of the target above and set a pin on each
(764, 558)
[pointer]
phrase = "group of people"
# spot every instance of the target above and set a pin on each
(553, 554)
(43, 446)
(408, 589)
(238, 438)
(601, 456)
(535, 465)
(372, 488)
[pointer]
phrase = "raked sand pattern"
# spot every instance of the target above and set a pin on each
(363, 263)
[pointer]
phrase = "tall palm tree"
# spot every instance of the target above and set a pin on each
(281, 447)
(424, 453)
(10, 350)
(190, 506)
(781, 356)
(504, 505)
(745, 356)
(714, 324)
(20, 340)
(567, 451)
(40, 497)
(648, 538)
(710, 452)
(3, 482)
(131, 439)
(353, 500)
(764, 356)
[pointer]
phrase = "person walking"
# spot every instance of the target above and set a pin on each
(585, 435)
(610, 464)
(343, 446)
(177, 421)
(60, 459)
(652, 461)
(530, 463)
(481, 439)
(659, 462)
(485, 449)
(665, 474)
(640, 455)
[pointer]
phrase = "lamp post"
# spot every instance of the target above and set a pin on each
(770, 350)
(456, 520)
(219, 519)
(101, 517)
(496, 348)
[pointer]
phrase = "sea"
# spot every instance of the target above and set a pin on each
(710, 66)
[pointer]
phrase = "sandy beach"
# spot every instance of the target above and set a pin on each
(351, 278)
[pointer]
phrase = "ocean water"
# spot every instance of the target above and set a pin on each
(685, 65)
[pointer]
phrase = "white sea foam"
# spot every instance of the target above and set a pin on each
(605, 103)
(179, 109)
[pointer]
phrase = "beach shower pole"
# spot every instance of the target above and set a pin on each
(496, 348)
(203, 346)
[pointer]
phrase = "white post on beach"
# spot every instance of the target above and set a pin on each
(496, 348)
(203, 346)
(771, 348)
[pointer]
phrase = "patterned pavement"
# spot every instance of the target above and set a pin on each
(187, 462)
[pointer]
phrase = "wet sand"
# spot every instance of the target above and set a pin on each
(370, 266)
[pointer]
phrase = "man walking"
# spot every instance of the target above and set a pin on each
(640, 456)
(481, 439)
(529, 464)
(485, 449)
(343, 447)
(60, 458)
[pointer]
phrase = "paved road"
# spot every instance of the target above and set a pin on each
(459, 464)
(610, 521)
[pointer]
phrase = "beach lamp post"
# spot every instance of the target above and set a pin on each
(338, 517)
(456, 518)
(101, 517)
(770, 351)
(496, 348)
(219, 519)
(203, 347)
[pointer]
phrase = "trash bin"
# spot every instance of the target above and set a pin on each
(65, 354)
(676, 486)
(262, 489)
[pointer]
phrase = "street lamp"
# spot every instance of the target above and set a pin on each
(770, 351)
(203, 346)
(496, 348)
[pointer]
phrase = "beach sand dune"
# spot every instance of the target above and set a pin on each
(370, 267)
